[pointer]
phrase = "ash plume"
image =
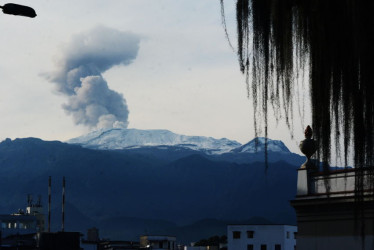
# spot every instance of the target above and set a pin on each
(79, 76)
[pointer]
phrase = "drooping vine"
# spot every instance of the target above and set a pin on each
(333, 41)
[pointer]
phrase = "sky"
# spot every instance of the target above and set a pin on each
(154, 64)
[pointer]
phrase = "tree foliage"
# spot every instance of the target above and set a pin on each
(212, 241)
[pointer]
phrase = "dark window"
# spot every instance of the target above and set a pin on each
(288, 235)
(236, 234)
(250, 234)
(250, 247)
(295, 235)
(263, 247)
(278, 247)
(160, 244)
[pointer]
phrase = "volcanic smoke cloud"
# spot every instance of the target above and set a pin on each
(90, 101)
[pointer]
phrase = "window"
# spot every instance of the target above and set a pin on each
(295, 235)
(263, 247)
(250, 234)
(288, 235)
(236, 234)
(250, 247)
(160, 244)
(278, 247)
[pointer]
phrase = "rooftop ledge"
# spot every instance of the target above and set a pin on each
(337, 183)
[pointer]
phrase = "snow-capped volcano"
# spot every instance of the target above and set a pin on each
(258, 145)
(127, 138)
(118, 138)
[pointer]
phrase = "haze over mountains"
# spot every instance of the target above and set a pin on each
(129, 182)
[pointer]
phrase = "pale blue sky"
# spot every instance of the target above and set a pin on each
(185, 77)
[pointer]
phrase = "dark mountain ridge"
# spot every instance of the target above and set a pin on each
(166, 185)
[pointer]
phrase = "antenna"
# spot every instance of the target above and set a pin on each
(29, 200)
(39, 204)
(49, 203)
(63, 204)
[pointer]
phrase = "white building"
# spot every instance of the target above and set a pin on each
(261, 237)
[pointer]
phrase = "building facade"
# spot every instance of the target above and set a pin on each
(261, 237)
(17, 224)
(23, 222)
(331, 213)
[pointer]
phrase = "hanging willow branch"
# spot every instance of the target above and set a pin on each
(332, 40)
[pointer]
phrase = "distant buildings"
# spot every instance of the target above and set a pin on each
(93, 242)
(201, 248)
(117, 245)
(23, 222)
(92, 235)
(26, 229)
(158, 242)
(261, 237)
(58, 241)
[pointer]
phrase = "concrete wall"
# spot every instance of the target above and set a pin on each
(339, 182)
(330, 216)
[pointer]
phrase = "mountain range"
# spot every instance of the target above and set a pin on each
(132, 138)
(129, 138)
(131, 182)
